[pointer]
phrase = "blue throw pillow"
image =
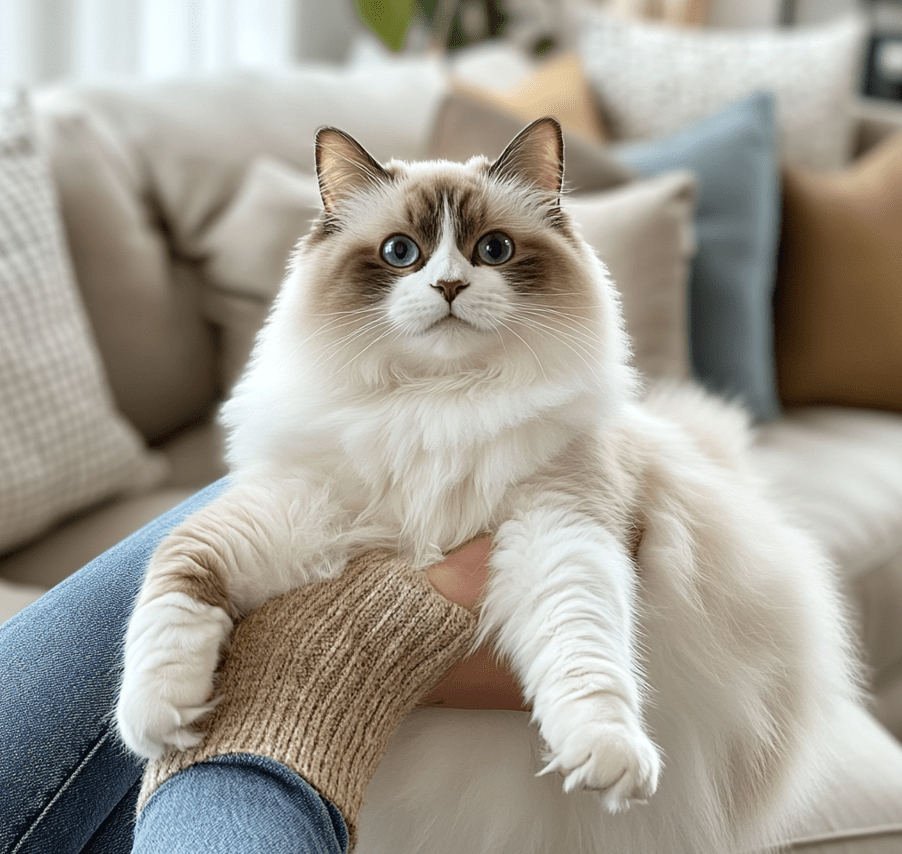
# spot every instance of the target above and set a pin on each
(734, 153)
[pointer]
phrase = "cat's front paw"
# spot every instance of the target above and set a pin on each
(613, 756)
(171, 652)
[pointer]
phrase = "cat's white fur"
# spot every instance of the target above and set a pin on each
(710, 644)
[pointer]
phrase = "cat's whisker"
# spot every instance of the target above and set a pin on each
(571, 341)
(566, 321)
(589, 347)
(335, 346)
(562, 319)
(354, 311)
(553, 312)
(341, 344)
(565, 326)
(299, 346)
(357, 355)
(570, 337)
(526, 344)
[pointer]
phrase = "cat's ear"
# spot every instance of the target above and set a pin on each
(535, 155)
(343, 167)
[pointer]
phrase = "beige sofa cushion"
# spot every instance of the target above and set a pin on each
(860, 809)
(63, 445)
(145, 311)
(194, 458)
(197, 137)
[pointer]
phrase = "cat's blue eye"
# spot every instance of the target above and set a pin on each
(495, 248)
(400, 251)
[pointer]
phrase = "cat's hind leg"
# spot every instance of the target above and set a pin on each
(560, 606)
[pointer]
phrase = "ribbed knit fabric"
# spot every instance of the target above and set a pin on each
(321, 677)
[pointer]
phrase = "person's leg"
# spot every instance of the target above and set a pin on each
(237, 803)
(62, 770)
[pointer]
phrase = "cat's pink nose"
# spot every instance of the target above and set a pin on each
(450, 289)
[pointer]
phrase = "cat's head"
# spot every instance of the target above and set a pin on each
(431, 268)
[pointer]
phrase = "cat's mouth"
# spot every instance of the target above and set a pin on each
(450, 321)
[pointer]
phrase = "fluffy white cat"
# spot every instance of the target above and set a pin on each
(447, 357)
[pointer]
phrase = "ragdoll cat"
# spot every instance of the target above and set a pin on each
(445, 358)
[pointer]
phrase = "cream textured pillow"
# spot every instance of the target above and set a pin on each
(63, 446)
(652, 79)
(247, 249)
(643, 231)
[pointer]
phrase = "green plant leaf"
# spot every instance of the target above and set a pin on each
(388, 19)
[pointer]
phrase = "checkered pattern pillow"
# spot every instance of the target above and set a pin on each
(63, 446)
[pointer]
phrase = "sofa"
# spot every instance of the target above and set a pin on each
(178, 202)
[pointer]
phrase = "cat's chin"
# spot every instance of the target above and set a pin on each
(450, 338)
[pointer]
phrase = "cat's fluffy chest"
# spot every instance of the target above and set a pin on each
(435, 465)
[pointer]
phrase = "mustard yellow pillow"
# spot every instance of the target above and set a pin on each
(556, 88)
(838, 301)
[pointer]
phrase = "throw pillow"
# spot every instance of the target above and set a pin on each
(653, 79)
(643, 232)
(556, 88)
(467, 125)
(839, 293)
(247, 250)
(733, 153)
(63, 446)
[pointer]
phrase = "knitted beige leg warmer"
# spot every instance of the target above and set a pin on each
(319, 678)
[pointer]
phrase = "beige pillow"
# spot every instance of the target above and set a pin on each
(839, 291)
(247, 250)
(643, 231)
(556, 88)
(652, 79)
(63, 445)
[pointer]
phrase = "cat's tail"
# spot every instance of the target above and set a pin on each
(721, 428)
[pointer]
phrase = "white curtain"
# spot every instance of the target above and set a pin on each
(47, 40)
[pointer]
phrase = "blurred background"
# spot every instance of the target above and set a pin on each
(43, 41)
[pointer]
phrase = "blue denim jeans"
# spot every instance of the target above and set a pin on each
(68, 785)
